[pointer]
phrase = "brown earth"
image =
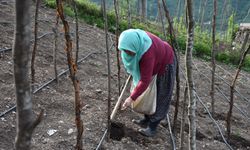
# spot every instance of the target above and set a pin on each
(58, 98)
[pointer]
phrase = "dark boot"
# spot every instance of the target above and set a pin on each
(164, 122)
(141, 122)
(150, 131)
(147, 132)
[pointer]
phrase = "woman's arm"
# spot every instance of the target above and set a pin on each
(146, 71)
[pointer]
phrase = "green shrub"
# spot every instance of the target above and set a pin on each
(246, 63)
(50, 3)
(123, 25)
(88, 8)
(222, 57)
(234, 57)
(202, 49)
(69, 11)
(228, 57)
(181, 40)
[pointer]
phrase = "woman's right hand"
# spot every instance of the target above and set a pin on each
(127, 103)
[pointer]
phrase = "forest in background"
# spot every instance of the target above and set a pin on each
(241, 9)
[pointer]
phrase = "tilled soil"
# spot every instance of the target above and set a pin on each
(57, 129)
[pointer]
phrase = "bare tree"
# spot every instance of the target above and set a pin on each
(248, 12)
(72, 70)
(129, 14)
(101, 5)
(108, 64)
(161, 18)
(199, 10)
(224, 10)
(55, 30)
(26, 121)
(203, 14)
(189, 77)
(177, 56)
(35, 44)
(213, 57)
(244, 42)
(178, 9)
(143, 10)
(77, 34)
(183, 118)
(116, 46)
(185, 13)
(138, 9)
(229, 114)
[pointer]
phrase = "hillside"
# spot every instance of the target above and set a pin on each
(240, 7)
(57, 130)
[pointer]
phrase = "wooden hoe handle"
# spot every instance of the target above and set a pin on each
(120, 99)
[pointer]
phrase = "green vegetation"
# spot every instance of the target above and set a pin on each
(247, 63)
(237, 7)
(91, 13)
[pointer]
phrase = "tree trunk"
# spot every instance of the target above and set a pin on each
(157, 16)
(243, 46)
(35, 45)
(202, 14)
(143, 10)
(177, 56)
(183, 118)
(161, 18)
(101, 5)
(229, 114)
(189, 77)
(199, 11)
(213, 57)
(108, 65)
(21, 57)
(55, 30)
(177, 10)
(182, 8)
(77, 34)
(244, 43)
(116, 46)
(138, 8)
(223, 15)
(72, 70)
(248, 12)
(129, 14)
(185, 11)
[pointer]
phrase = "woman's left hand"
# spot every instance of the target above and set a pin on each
(127, 103)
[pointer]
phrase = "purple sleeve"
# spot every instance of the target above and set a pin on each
(146, 71)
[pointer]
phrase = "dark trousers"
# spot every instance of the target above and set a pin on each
(165, 86)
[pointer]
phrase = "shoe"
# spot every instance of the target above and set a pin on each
(164, 123)
(147, 132)
(141, 122)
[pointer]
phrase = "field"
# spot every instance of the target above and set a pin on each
(57, 130)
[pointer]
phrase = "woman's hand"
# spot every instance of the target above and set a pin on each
(127, 103)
